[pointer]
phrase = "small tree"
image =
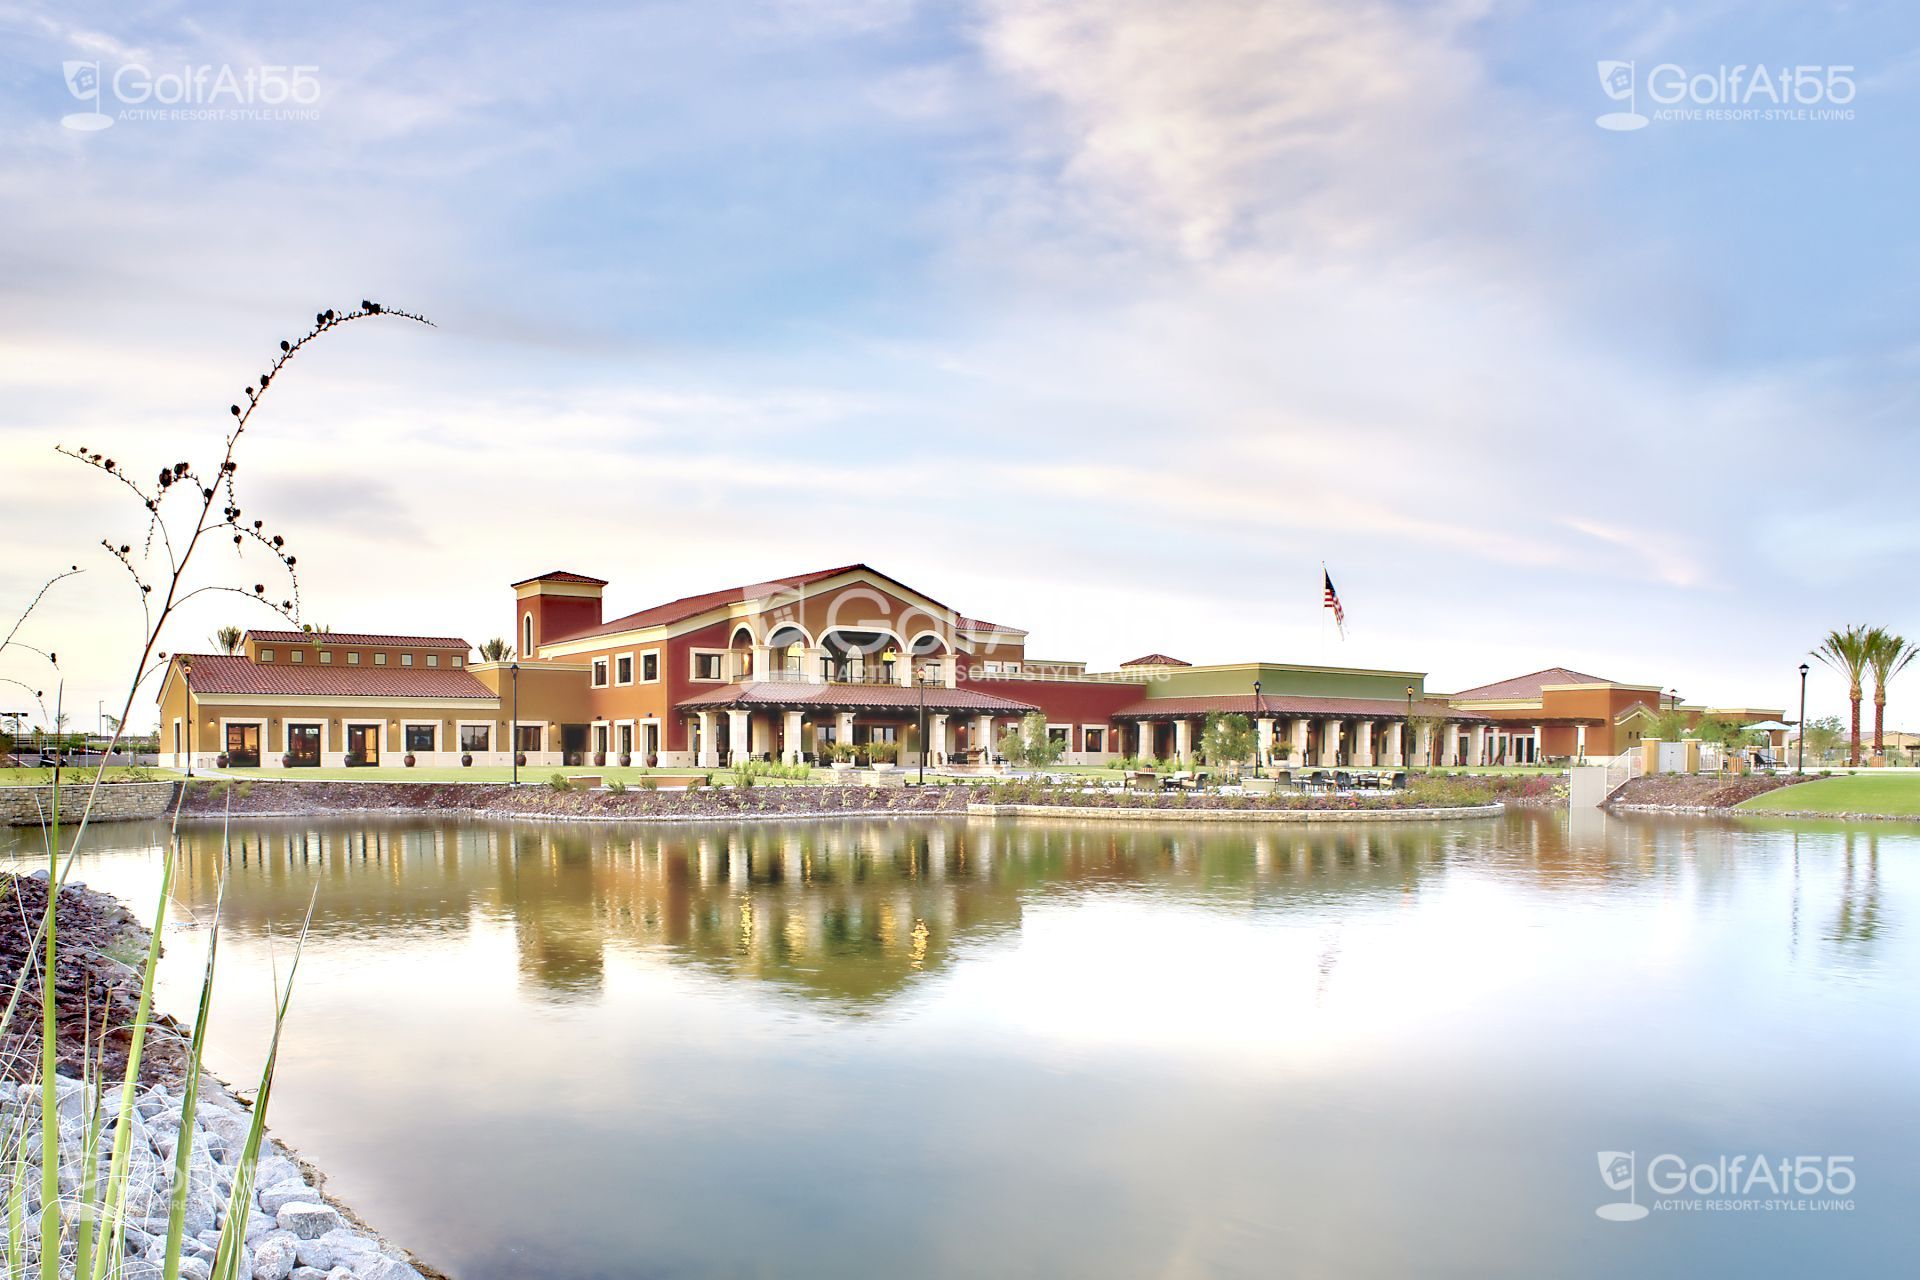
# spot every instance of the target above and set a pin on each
(496, 650)
(227, 639)
(1822, 736)
(1029, 745)
(1227, 739)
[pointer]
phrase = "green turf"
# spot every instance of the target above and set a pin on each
(30, 777)
(1894, 795)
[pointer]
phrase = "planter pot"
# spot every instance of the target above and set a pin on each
(520, 758)
(286, 762)
(653, 761)
(220, 761)
(466, 761)
(881, 766)
(599, 759)
(841, 766)
(626, 761)
(407, 760)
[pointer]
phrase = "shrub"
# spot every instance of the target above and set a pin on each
(617, 787)
(883, 752)
(649, 783)
(558, 782)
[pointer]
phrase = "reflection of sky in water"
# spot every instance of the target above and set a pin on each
(877, 1048)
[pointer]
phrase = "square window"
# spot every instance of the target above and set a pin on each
(379, 659)
(295, 655)
(266, 655)
(475, 737)
(353, 659)
(433, 660)
(706, 666)
(406, 659)
(326, 658)
(420, 737)
(459, 662)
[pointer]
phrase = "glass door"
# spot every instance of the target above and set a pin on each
(363, 744)
(303, 745)
(243, 746)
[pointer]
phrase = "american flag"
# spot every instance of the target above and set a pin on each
(1332, 601)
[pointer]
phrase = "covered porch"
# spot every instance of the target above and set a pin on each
(799, 723)
(1314, 732)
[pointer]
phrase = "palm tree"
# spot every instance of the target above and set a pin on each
(1846, 652)
(227, 639)
(496, 650)
(1887, 655)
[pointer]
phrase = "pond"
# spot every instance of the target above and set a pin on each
(956, 1049)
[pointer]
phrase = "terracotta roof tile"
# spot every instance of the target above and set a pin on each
(234, 673)
(1156, 660)
(562, 575)
(1529, 685)
(981, 624)
(359, 638)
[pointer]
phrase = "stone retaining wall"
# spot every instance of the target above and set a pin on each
(117, 802)
(1143, 813)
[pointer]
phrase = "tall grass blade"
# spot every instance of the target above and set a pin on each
(190, 1097)
(230, 1256)
(49, 1060)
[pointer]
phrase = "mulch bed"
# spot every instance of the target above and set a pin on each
(1684, 791)
(91, 989)
(212, 801)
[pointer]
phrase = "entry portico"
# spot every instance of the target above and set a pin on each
(793, 720)
(1324, 732)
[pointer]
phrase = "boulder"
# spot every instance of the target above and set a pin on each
(273, 1258)
(307, 1219)
(275, 1198)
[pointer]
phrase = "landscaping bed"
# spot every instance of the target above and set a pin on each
(97, 981)
(540, 800)
(1690, 793)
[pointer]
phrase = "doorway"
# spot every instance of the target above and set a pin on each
(303, 746)
(363, 744)
(243, 746)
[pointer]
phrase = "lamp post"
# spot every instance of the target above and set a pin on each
(513, 730)
(186, 674)
(1800, 765)
(1259, 709)
(1406, 734)
(922, 683)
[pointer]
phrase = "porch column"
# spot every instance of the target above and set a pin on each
(1363, 743)
(1330, 732)
(1183, 740)
(1580, 741)
(709, 741)
(843, 727)
(737, 743)
(796, 725)
(1299, 728)
(1397, 744)
(1539, 743)
(937, 738)
(1263, 748)
(1477, 753)
(1143, 739)
(983, 730)
(903, 670)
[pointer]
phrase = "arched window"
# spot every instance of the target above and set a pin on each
(526, 636)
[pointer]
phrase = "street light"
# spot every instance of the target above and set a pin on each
(1801, 764)
(1406, 734)
(1259, 710)
(513, 730)
(186, 674)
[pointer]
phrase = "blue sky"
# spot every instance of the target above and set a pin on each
(1109, 319)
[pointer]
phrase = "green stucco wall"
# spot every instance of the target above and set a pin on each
(1275, 680)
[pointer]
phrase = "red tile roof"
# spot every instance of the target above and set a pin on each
(234, 673)
(1288, 705)
(1529, 685)
(360, 638)
(1156, 660)
(852, 697)
(980, 624)
(562, 575)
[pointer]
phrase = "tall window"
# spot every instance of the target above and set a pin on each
(649, 667)
(526, 636)
(475, 737)
(599, 673)
(623, 669)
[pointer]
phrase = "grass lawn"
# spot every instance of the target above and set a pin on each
(1894, 795)
(41, 777)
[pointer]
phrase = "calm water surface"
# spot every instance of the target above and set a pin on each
(952, 1050)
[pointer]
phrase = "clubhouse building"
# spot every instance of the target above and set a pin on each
(789, 670)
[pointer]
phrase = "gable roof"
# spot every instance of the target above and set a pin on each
(1527, 686)
(872, 697)
(321, 639)
(981, 624)
(1156, 660)
(235, 673)
(685, 607)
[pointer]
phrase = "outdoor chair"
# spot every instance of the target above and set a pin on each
(1342, 780)
(1399, 782)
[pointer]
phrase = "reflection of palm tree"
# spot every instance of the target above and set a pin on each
(1856, 922)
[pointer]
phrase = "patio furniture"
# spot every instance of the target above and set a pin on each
(1178, 781)
(1143, 780)
(1342, 780)
(1399, 782)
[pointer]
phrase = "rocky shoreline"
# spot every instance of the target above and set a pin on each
(1687, 793)
(294, 1231)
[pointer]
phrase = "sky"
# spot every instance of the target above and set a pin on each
(1110, 319)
